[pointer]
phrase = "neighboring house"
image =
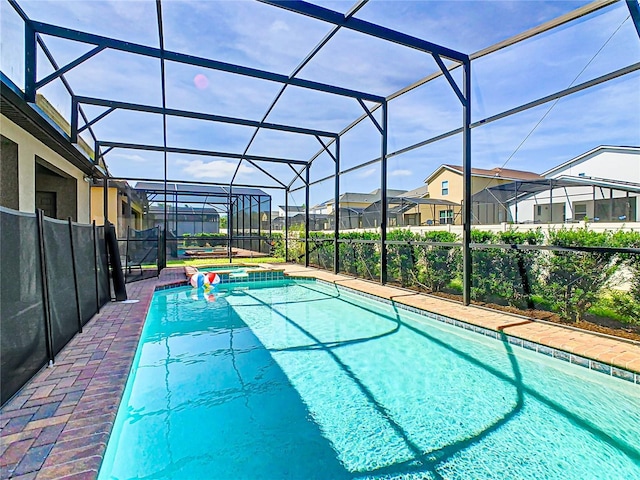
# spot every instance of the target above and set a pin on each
(319, 209)
(292, 211)
(39, 167)
(446, 183)
(126, 207)
(602, 185)
(359, 201)
(186, 220)
(316, 222)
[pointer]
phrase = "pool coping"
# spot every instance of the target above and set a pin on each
(58, 425)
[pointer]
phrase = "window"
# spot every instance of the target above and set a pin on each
(445, 187)
(446, 217)
(579, 211)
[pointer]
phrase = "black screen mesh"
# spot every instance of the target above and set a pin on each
(140, 254)
(85, 268)
(23, 346)
(103, 268)
(62, 291)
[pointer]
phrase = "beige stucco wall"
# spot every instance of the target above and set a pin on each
(28, 148)
(97, 205)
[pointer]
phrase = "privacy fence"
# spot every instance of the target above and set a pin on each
(54, 278)
(567, 271)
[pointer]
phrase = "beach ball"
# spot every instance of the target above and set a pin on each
(199, 280)
(213, 278)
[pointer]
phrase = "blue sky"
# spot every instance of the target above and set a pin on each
(256, 35)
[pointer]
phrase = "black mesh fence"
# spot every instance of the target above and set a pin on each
(62, 290)
(104, 286)
(139, 253)
(85, 268)
(39, 310)
(22, 326)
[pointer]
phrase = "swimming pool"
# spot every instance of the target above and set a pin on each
(225, 268)
(301, 380)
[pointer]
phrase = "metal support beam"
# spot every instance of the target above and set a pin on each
(336, 210)
(370, 115)
(229, 221)
(192, 182)
(337, 18)
(449, 78)
(306, 216)
(62, 70)
(152, 52)
(286, 225)
(95, 120)
(326, 148)
(30, 63)
(466, 192)
(206, 153)
(383, 195)
(105, 200)
(634, 10)
(296, 173)
(172, 112)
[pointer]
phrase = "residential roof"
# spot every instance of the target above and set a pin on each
(509, 192)
(591, 153)
(502, 173)
(354, 197)
(292, 208)
(419, 192)
(34, 120)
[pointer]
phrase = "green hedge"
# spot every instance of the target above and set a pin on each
(567, 282)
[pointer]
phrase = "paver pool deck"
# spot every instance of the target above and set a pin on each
(58, 425)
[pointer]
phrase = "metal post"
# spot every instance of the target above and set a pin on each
(610, 205)
(336, 211)
(75, 276)
(286, 225)
(306, 216)
(105, 199)
(30, 63)
(516, 201)
(95, 264)
(550, 201)
(45, 287)
(126, 248)
(229, 221)
(383, 197)
(467, 263)
(259, 200)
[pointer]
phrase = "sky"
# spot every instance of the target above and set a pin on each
(256, 35)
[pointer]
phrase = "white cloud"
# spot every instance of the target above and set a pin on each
(367, 173)
(215, 170)
(131, 157)
(401, 173)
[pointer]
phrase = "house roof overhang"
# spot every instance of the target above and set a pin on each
(29, 117)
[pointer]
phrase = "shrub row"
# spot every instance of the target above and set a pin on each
(201, 239)
(566, 281)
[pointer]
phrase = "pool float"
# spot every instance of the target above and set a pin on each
(199, 280)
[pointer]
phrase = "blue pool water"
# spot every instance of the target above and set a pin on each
(224, 268)
(300, 380)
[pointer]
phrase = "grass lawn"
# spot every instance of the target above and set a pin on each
(199, 262)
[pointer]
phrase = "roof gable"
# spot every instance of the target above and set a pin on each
(588, 155)
(502, 173)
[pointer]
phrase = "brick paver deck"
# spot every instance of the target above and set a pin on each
(58, 425)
